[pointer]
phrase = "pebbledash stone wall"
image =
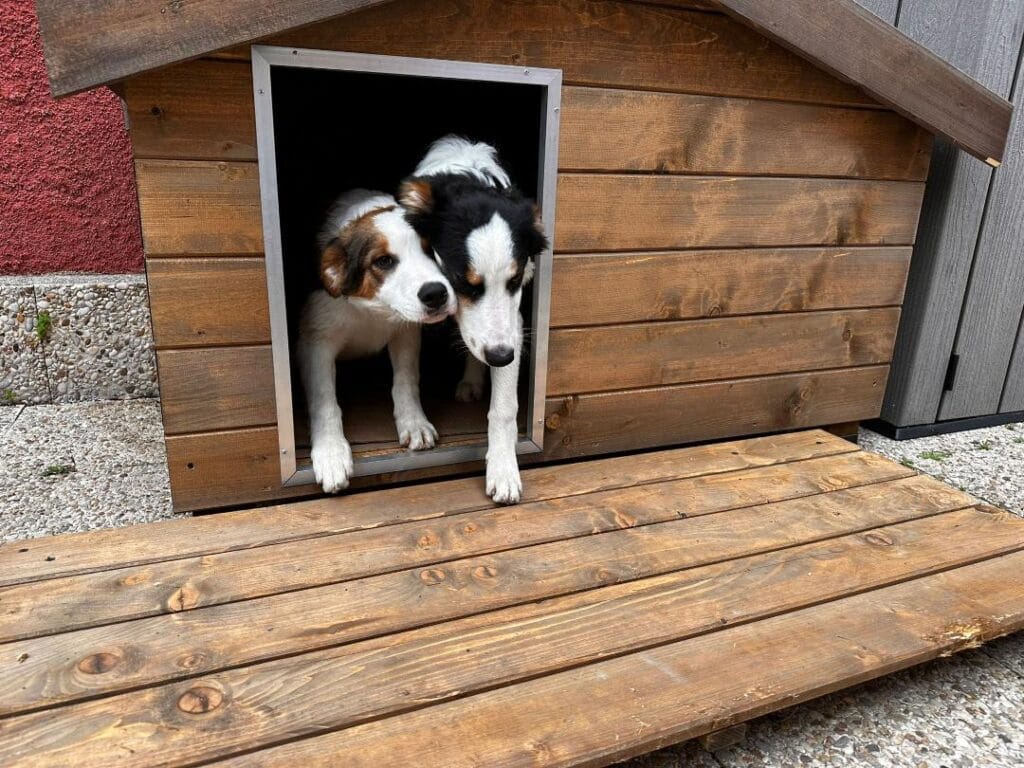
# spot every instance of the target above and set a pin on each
(70, 338)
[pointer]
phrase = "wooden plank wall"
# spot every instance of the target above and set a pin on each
(731, 249)
(983, 38)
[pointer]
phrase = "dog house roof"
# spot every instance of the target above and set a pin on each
(96, 42)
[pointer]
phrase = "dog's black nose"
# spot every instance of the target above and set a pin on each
(499, 356)
(433, 295)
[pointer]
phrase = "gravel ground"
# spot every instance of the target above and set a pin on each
(94, 465)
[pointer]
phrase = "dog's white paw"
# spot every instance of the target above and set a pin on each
(469, 391)
(503, 482)
(332, 465)
(416, 433)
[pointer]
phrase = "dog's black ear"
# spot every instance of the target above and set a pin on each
(535, 239)
(416, 196)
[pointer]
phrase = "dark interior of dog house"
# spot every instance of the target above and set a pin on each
(336, 130)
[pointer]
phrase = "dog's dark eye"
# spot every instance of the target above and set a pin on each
(515, 283)
(387, 261)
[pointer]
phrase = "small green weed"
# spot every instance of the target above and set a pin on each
(9, 396)
(43, 324)
(1011, 427)
(907, 462)
(55, 470)
(1018, 440)
(983, 445)
(939, 456)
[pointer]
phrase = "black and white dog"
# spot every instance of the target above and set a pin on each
(486, 237)
(379, 284)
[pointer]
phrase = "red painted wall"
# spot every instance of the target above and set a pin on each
(67, 190)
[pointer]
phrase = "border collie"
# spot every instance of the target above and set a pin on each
(379, 284)
(486, 238)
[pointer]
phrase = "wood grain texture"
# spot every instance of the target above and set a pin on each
(622, 212)
(676, 133)
(543, 638)
(655, 354)
(1013, 392)
(196, 110)
(221, 469)
(600, 289)
(594, 42)
(994, 304)
(76, 553)
(633, 419)
(883, 9)
(203, 110)
(49, 678)
(850, 41)
(199, 207)
(192, 207)
(982, 39)
(220, 388)
(679, 690)
(176, 586)
(205, 302)
(98, 41)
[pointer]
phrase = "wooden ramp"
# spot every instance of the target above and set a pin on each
(629, 603)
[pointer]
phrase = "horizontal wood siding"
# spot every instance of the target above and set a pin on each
(219, 388)
(624, 356)
(215, 469)
(199, 207)
(209, 207)
(598, 289)
(619, 212)
(732, 234)
(207, 302)
(622, 421)
(604, 43)
(683, 133)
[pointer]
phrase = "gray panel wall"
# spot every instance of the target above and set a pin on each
(982, 38)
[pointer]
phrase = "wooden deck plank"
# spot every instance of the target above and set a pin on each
(77, 602)
(151, 650)
(71, 554)
(599, 714)
(306, 695)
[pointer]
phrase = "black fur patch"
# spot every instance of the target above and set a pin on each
(458, 204)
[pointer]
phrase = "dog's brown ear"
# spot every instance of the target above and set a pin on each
(334, 266)
(416, 196)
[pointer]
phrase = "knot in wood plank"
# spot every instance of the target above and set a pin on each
(184, 599)
(200, 700)
(879, 539)
(98, 663)
(433, 576)
(485, 573)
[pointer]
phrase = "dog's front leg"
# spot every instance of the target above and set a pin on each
(503, 482)
(414, 431)
(331, 453)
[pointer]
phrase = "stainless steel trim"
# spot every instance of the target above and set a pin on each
(263, 58)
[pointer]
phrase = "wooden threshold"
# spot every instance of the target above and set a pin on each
(628, 603)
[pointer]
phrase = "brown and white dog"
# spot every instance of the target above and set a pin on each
(379, 285)
(486, 237)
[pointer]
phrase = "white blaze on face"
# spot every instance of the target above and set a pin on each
(492, 320)
(400, 289)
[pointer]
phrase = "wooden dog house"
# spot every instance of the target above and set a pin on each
(732, 237)
(733, 231)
